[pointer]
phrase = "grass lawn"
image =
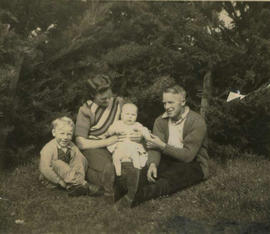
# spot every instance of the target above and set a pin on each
(238, 192)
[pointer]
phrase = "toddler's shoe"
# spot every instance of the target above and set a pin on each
(78, 190)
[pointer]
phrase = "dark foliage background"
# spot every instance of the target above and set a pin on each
(143, 46)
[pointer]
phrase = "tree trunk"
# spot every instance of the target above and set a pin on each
(6, 123)
(14, 82)
(206, 93)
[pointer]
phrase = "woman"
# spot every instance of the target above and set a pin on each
(93, 120)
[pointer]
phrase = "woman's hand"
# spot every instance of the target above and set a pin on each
(155, 143)
(115, 139)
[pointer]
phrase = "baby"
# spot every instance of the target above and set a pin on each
(128, 151)
(62, 163)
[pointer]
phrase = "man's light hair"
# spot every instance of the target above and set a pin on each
(176, 89)
(63, 121)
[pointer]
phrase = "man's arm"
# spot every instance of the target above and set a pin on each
(84, 143)
(192, 143)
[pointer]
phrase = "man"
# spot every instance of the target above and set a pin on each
(178, 155)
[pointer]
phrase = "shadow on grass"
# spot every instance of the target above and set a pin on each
(180, 224)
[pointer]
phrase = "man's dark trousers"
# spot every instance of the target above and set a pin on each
(172, 177)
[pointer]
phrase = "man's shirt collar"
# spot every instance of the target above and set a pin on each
(182, 117)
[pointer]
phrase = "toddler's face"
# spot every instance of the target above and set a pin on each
(129, 114)
(63, 134)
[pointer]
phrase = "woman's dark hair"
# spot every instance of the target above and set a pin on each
(98, 84)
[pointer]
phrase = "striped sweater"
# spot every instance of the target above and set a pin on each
(94, 121)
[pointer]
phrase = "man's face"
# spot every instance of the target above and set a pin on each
(174, 104)
(129, 114)
(63, 134)
(103, 99)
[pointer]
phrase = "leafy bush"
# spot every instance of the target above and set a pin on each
(143, 46)
(241, 124)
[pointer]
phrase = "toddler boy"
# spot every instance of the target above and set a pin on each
(61, 162)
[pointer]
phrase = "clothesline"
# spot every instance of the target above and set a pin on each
(235, 95)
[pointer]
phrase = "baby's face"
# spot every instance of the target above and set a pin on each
(129, 114)
(63, 134)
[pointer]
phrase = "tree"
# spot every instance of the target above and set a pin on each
(143, 46)
(21, 49)
(243, 125)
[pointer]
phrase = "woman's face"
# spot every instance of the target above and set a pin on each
(103, 99)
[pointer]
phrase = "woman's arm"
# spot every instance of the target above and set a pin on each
(84, 143)
(83, 124)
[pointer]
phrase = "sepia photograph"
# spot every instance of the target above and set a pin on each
(134, 117)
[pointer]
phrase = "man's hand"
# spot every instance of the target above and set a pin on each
(152, 173)
(155, 143)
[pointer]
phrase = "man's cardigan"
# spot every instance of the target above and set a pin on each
(194, 140)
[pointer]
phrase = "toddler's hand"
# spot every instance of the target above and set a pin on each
(62, 184)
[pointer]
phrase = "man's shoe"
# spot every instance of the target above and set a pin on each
(95, 190)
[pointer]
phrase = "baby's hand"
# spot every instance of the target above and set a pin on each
(147, 137)
(146, 134)
(136, 129)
